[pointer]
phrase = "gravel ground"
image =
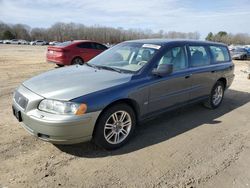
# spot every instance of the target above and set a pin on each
(190, 147)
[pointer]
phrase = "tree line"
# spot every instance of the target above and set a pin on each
(228, 38)
(73, 31)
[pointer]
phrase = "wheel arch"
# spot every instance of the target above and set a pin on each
(224, 81)
(130, 102)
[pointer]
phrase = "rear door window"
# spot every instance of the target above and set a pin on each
(220, 53)
(199, 56)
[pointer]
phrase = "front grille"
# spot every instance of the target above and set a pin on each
(20, 100)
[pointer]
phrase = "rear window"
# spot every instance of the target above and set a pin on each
(87, 45)
(220, 53)
(64, 43)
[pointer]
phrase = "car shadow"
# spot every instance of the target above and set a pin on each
(164, 127)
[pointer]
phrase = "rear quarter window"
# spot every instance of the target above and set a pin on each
(220, 54)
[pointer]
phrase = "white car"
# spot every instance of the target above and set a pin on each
(38, 42)
(24, 42)
(15, 41)
(6, 42)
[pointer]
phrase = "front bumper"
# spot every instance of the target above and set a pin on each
(58, 129)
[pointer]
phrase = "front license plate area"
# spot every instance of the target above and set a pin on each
(17, 114)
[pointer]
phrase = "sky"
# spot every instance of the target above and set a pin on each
(202, 16)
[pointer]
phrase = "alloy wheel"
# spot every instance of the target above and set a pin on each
(218, 95)
(117, 127)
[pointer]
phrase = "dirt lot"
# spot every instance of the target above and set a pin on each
(191, 147)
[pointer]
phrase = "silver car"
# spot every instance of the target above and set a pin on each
(6, 41)
(38, 42)
(15, 41)
(105, 98)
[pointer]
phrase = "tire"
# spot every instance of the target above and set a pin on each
(216, 96)
(110, 134)
(59, 65)
(77, 61)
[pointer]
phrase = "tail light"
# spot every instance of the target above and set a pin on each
(62, 52)
(58, 52)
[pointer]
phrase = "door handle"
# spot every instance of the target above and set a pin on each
(188, 76)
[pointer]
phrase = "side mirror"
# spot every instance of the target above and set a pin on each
(163, 70)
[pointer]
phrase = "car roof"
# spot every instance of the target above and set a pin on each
(171, 41)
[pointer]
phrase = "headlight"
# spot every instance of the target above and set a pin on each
(62, 107)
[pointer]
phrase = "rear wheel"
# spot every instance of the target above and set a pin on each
(115, 126)
(59, 65)
(77, 61)
(216, 96)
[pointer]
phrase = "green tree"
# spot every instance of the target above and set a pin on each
(222, 34)
(210, 36)
(8, 35)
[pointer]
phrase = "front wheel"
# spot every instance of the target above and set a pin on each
(216, 96)
(115, 126)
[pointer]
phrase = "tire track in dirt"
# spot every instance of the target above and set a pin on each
(191, 175)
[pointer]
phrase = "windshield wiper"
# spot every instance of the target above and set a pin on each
(109, 68)
(90, 65)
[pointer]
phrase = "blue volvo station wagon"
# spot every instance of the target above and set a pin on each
(105, 98)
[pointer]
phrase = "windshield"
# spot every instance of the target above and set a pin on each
(126, 57)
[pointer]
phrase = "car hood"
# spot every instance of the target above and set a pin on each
(74, 81)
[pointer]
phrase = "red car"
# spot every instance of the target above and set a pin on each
(74, 52)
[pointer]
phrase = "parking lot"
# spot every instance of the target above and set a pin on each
(190, 147)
